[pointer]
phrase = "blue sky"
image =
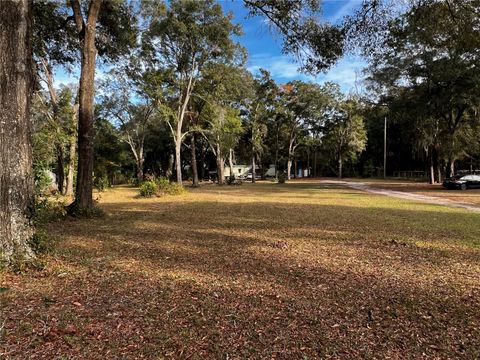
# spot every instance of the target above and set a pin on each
(264, 48)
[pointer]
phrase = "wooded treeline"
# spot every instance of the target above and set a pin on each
(175, 98)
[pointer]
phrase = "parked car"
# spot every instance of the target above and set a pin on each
(462, 182)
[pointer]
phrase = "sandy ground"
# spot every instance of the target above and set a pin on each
(431, 194)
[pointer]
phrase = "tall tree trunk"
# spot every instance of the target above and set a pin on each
(16, 179)
(72, 152)
(178, 158)
(193, 160)
(315, 163)
(60, 170)
(139, 165)
(253, 168)
(289, 166)
(83, 193)
(295, 168)
(230, 162)
(340, 167)
(71, 166)
(276, 154)
(432, 167)
(220, 166)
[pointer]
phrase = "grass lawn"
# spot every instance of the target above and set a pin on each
(294, 271)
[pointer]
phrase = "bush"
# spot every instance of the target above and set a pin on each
(101, 183)
(282, 178)
(174, 189)
(163, 183)
(148, 188)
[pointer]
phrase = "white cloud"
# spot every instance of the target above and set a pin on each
(345, 73)
(346, 9)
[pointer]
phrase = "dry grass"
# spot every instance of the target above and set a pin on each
(470, 196)
(294, 271)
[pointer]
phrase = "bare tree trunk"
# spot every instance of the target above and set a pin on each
(193, 161)
(340, 167)
(230, 162)
(451, 166)
(72, 154)
(16, 179)
(60, 170)
(71, 166)
(178, 158)
(315, 163)
(289, 166)
(253, 168)
(295, 169)
(83, 193)
(139, 165)
(432, 169)
(220, 166)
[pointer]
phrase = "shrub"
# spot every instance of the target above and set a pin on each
(101, 183)
(148, 188)
(282, 178)
(174, 189)
(163, 183)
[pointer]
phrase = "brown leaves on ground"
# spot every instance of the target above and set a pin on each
(294, 271)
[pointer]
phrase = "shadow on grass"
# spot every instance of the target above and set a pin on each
(179, 279)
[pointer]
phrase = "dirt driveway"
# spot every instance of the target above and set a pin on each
(432, 194)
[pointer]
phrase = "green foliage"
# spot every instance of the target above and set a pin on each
(48, 209)
(148, 188)
(163, 182)
(42, 242)
(174, 189)
(101, 183)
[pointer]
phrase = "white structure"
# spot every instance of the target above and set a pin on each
(240, 171)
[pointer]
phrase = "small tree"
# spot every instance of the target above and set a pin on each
(345, 134)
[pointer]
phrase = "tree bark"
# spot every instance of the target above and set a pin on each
(315, 163)
(220, 166)
(289, 166)
(16, 179)
(83, 193)
(178, 158)
(139, 165)
(71, 166)
(72, 152)
(230, 162)
(60, 170)
(432, 168)
(340, 167)
(253, 168)
(193, 161)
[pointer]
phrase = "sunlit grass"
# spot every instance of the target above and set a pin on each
(300, 270)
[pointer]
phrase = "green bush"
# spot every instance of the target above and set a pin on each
(101, 183)
(174, 189)
(148, 188)
(163, 183)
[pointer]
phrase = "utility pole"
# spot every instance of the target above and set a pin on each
(385, 149)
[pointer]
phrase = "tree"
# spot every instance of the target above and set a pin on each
(317, 46)
(222, 133)
(428, 63)
(345, 134)
(131, 111)
(185, 38)
(16, 180)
